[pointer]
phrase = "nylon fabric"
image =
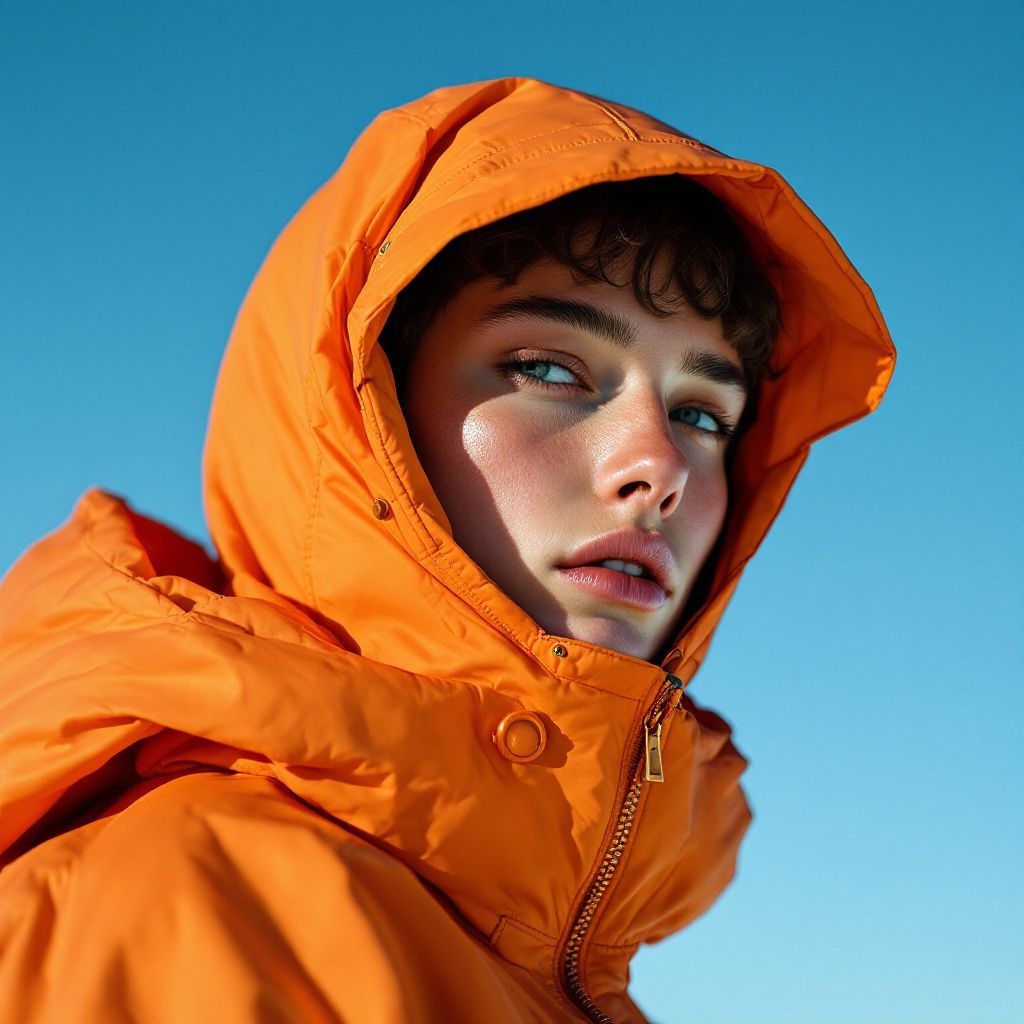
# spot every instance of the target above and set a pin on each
(264, 788)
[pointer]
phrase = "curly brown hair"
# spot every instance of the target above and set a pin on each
(598, 231)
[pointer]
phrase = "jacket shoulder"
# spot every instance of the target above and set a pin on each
(222, 897)
(105, 547)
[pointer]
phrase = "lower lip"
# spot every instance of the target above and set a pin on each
(635, 591)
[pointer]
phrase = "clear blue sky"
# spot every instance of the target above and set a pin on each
(872, 661)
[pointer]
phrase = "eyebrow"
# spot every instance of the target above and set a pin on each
(613, 328)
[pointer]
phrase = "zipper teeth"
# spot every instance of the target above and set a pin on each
(605, 873)
(584, 919)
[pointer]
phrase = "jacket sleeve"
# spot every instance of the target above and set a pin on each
(222, 898)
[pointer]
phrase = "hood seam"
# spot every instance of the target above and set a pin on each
(612, 173)
(462, 168)
(617, 119)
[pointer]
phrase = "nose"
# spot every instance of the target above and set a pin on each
(640, 463)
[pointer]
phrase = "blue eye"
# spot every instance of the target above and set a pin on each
(545, 371)
(692, 416)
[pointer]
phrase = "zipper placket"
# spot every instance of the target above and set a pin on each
(647, 767)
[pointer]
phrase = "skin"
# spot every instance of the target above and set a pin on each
(538, 437)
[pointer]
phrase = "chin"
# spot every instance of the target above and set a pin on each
(618, 636)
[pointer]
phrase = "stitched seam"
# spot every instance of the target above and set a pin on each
(307, 392)
(624, 947)
(408, 115)
(307, 552)
(499, 929)
(307, 539)
(694, 144)
(504, 149)
(604, 651)
(626, 130)
(528, 929)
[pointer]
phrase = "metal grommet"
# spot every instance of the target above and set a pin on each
(384, 248)
(559, 651)
(520, 737)
(381, 509)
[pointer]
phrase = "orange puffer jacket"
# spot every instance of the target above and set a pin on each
(285, 787)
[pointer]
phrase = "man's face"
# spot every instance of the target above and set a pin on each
(564, 426)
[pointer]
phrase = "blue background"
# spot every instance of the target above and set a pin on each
(872, 660)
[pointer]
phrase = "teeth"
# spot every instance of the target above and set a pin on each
(629, 568)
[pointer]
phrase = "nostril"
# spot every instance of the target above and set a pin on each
(637, 485)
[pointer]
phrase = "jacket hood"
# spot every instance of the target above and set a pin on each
(289, 492)
(344, 644)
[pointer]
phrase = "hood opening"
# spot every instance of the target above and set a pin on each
(305, 349)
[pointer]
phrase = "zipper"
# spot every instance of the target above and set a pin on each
(647, 767)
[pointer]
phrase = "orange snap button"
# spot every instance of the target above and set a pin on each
(521, 736)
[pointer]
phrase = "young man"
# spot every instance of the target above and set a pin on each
(416, 748)
(568, 374)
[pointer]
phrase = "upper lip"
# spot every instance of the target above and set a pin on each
(648, 550)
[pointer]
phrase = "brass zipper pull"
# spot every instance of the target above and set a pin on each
(653, 771)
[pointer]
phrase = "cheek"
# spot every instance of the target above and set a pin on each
(704, 506)
(501, 476)
(518, 460)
